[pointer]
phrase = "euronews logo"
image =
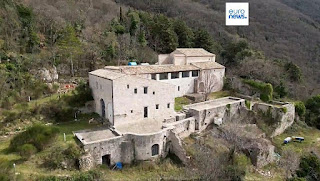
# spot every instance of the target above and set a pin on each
(237, 14)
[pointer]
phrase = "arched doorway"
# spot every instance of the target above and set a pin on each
(103, 108)
(155, 149)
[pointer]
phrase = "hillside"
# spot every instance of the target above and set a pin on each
(47, 48)
(281, 29)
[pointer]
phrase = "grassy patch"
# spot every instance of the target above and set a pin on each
(220, 94)
(179, 102)
(311, 135)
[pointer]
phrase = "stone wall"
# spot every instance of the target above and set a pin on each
(129, 106)
(282, 115)
(216, 114)
(102, 90)
(183, 128)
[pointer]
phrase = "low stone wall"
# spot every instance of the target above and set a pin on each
(281, 113)
(216, 114)
(184, 127)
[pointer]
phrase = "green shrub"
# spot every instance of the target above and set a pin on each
(284, 110)
(294, 71)
(313, 111)
(281, 90)
(27, 150)
(248, 104)
(38, 135)
(63, 158)
(265, 89)
(300, 108)
(80, 96)
(309, 167)
(57, 111)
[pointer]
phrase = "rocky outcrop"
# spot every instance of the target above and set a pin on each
(250, 140)
(48, 74)
(260, 151)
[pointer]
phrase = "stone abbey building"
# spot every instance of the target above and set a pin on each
(138, 103)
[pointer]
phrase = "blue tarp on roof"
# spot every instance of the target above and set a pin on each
(132, 63)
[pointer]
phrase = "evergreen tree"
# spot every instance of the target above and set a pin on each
(69, 45)
(141, 38)
(184, 33)
(202, 39)
(165, 40)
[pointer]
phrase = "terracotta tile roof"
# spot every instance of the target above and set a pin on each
(113, 72)
(107, 74)
(208, 65)
(149, 69)
(193, 52)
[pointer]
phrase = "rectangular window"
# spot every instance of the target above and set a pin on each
(195, 73)
(157, 106)
(164, 76)
(154, 76)
(135, 90)
(178, 88)
(185, 74)
(145, 90)
(145, 112)
(168, 105)
(175, 75)
(128, 86)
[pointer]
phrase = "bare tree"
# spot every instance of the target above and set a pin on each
(209, 83)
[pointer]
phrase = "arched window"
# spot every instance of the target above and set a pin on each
(155, 149)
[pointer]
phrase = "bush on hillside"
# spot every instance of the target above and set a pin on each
(294, 71)
(38, 135)
(313, 111)
(265, 89)
(64, 158)
(57, 111)
(300, 108)
(80, 96)
(309, 168)
(27, 150)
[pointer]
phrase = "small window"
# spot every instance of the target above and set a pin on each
(175, 75)
(178, 88)
(154, 76)
(168, 105)
(145, 90)
(195, 73)
(128, 86)
(135, 90)
(186, 74)
(164, 76)
(157, 106)
(155, 149)
(131, 111)
(154, 93)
